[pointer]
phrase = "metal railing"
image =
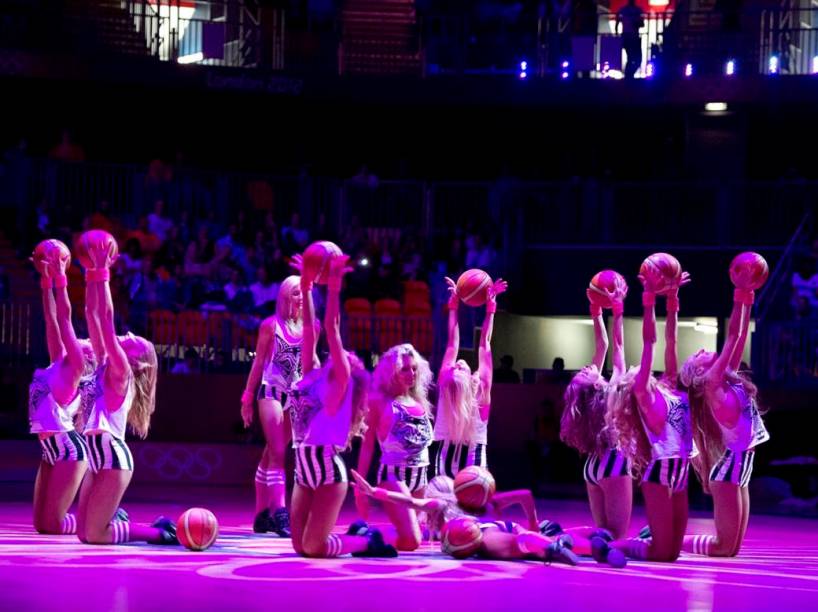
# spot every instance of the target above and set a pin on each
(788, 352)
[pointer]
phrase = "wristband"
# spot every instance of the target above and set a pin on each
(454, 303)
(97, 275)
(60, 281)
(334, 284)
(648, 299)
(744, 296)
(618, 308)
(247, 397)
(672, 304)
(491, 307)
(46, 282)
(596, 310)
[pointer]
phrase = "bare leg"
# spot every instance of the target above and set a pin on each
(660, 509)
(727, 513)
(316, 537)
(596, 499)
(63, 483)
(404, 519)
(618, 494)
(275, 428)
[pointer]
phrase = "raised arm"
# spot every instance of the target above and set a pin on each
(600, 333)
(485, 365)
(618, 353)
(652, 405)
(309, 339)
(453, 335)
(263, 344)
(73, 364)
(524, 498)
(715, 375)
(341, 369)
(56, 350)
(746, 316)
(671, 330)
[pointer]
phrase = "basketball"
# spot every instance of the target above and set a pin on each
(93, 238)
(461, 537)
(602, 283)
(661, 272)
(317, 258)
(197, 528)
(440, 487)
(472, 287)
(50, 251)
(474, 487)
(749, 270)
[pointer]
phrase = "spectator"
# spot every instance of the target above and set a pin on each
(294, 238)
(264, 291)
(804, 289)
(199, 254)
(630, 18)
(101, 218)
(67, 150)
(158, 224)
(189, 364)
(148, 241)
(130, 261)
(237, 294)
(506, 373)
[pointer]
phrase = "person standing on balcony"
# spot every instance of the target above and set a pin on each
(630, 19)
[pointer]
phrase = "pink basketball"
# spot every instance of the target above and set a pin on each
(92, 238)
(749, 270)
(472, 287)
(601, 283)
(461, 537)
(474, 486)
(197, 528)
(317, 258)
(662, 272)
(50, 251)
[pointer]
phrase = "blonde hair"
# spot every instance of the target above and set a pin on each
(623, 421)
(582, 425)
(284, 304)
(457, 403)
(144, 368)
(390, 363)
(706, 431)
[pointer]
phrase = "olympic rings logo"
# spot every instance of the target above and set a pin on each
(177, 461)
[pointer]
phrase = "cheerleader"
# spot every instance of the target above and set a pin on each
(327, 408)
(650, 422)
(727, 428)
(607, 471)
(399, 418)
(500, 539)
(464, 398)
(276, 367)
(54, 398)
(121, 394)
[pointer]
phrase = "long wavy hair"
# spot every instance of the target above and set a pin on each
(707, 434)
(359, 379)
(582, 425)
(144, 367)
(386, 372)
(457, 406)
(284, 305)
(623, 421)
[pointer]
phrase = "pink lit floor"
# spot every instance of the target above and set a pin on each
(777, 570)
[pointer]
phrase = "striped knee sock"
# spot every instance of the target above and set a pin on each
(261, 475)
(636, 548)
(275, 477)
(334, 546)
(121, 530)
(698, 544)
(69, 524)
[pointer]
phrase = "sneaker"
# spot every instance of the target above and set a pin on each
(280, 523)
(358, 528)
(121, 515)
(261, 524)
(644, 533)
(167, 530)
(550, 528)
(602, 552)
(601, 533)
(566, 541)
(376, 547)
(556, 552)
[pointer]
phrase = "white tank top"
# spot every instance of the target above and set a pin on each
(44, 413)
(676, 439)
(408, 440)
(99, 417)
(283, 369)
(480, 430)
(311, 424)
(749, 430)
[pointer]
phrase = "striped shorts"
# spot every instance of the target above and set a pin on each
(671, 473)
(107, 452)
(415, 478)
(268, 392)
(453, 457)
(502, 526)
(316, 466)
(734, 467)
(64, 446)
(610, 463)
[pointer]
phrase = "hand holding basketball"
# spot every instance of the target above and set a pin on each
(660, 272)
(499, 286)
(749, 271)
(316, 260)
(97, 249)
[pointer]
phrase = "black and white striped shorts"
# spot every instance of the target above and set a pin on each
(734, 467)
(502, 526)
(319, 465)
(415, 478)
(453, 456)
(270, 392)
(610, 463)
(671, 473)
(107, 452)
(64, 446)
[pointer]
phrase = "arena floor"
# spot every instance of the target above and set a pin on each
(778, 568)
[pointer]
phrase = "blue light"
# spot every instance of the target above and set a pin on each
(523, 75)
(772, 64)
(688, 70)
(523, 66)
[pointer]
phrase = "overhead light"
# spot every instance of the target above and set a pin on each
(704, 328)
(715, 107)
(191, 59)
